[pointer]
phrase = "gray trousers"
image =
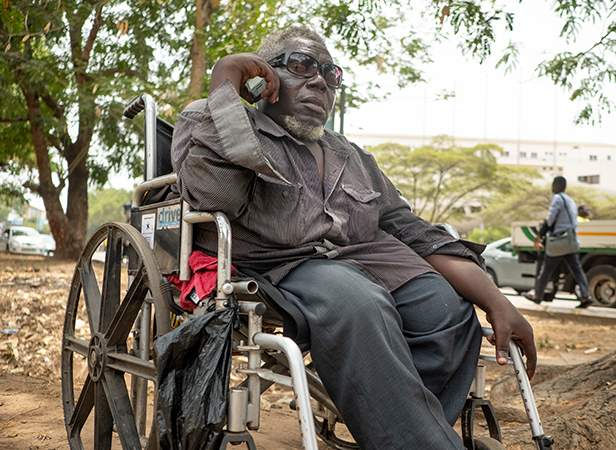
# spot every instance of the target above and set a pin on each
(550, 264)
(398, 366)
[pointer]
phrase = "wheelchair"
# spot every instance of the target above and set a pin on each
(114, 315)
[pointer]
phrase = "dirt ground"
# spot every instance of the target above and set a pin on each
(33, 292)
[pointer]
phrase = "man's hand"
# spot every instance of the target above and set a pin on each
(240, 68)
(473, 284)
(537, 245)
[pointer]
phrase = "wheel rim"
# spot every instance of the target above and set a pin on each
(97, 341)
(604, 290)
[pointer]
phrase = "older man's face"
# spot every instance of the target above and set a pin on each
(308, 101)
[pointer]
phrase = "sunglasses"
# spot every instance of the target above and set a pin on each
(306, 66)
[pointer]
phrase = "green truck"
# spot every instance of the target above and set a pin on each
(597, 255)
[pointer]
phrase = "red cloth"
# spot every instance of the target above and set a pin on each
(205, 270)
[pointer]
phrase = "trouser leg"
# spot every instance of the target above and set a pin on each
(573, 263)
(550, 263)
(445, 346)
(363, 357)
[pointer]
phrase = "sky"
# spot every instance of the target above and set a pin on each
(489, 103)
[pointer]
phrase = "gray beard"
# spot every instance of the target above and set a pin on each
(302, 131)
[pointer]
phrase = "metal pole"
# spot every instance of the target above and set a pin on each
(342, 108)
(555, 130)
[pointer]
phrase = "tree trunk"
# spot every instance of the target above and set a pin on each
(577, 408)
(77, 199)
(68, 229)
(197, 51)
(58, 222)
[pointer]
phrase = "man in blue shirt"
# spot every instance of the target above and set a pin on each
(562, 215)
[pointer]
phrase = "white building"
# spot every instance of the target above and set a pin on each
(580, 163)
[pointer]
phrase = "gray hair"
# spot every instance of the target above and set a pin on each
(274, 44)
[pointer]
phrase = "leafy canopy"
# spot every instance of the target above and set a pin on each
(441, 178)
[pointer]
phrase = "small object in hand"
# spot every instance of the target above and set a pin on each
(256, 86)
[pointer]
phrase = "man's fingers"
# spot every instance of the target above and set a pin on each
(502, 347)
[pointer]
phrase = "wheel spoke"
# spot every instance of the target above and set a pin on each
(91, 294)
(124, 318)
(119, 404)
(84, 405)
(103, 418)
(131, 364)
(76, 345)
(111, 279)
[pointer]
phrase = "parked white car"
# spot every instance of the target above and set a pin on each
(505, 269)
(24, 240)
(50, 244)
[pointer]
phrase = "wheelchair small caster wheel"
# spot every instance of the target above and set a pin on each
(488, 443)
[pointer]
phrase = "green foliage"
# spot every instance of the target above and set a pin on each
(106, 205)
(439, 179)
(489, 234)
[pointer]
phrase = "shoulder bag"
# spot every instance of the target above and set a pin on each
(563, 243)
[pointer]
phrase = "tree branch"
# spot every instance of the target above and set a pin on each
(56, 143)
(98, 20)
(58, 111)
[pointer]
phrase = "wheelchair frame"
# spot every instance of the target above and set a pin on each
(244, 400)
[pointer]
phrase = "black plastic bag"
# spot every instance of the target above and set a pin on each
(194, 364)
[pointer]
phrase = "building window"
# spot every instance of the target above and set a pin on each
(533, 155)
(593, 157)
(506, 153)
(590, 179)
(609, 157)
(522, 154)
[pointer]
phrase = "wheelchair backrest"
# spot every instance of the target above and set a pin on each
(158, 134)
(164, 134)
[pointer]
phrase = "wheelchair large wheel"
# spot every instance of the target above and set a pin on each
(112, 316)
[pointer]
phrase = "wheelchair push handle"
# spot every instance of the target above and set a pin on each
(134, 107)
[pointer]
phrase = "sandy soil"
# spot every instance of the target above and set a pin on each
(33, 292)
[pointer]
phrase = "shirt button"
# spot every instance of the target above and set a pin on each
(435, 246)
(285, 193)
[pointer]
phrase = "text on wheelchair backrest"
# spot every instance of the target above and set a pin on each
(168, 217)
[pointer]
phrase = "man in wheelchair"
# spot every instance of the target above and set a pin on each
(388, 296)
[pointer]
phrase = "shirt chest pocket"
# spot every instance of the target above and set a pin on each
(363, 208)
(275, 212)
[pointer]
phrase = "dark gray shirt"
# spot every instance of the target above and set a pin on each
(233, 158)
